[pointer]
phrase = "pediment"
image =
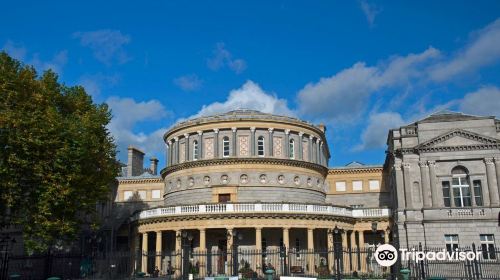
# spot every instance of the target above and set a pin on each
(458, 138)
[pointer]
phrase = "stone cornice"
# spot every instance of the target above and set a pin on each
(484, 140)
(124, 181)
(355, 170)
(231, 161)
(460, 148)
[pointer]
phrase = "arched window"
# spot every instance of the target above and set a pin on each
(195, 150)
(460, 187)
(225, 146)
(260, 146)
(292, 148)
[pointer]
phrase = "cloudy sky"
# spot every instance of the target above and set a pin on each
(360, 67)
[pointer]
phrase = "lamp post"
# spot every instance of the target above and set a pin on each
(338, 250)
(235, 235)
(187, 237)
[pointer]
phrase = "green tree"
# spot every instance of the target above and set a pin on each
(57, 158)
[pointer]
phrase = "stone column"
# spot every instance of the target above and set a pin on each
(230, 248)
(137, 251)
(234, 141)
(310, 154)
(330, 248)
(400, 186)
(178, 253)
(258, 247)
(362, 261)
(159, 249)
(344, 239)
(176, 150)
(386, 236)
(200, 144)
(287, 143)
(216, 143)
(186, 147)
(203, 252)
(271, 150)
(437, 200)
(497, 167)
(301, 156)
(322, 159)
(310, 249)
(408, 185)
(354, 251)
(252, 141)
(426, 189)
(318, 143)
(167, 146)
(492, 181)
(145, 252)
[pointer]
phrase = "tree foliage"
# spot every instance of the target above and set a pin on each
(57, 158)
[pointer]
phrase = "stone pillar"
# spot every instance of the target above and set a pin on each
(186, 147)
(354, 251)
(203, 252)
(330, 248)
(258, 247)
(400, 187)
(300, 156)
(286, 238)
(252, 141)
(492, 181)
(178, 253)
(318, 143)
(310, 154)
(216, 143)
(386, 236)
(271, 150)
(344, 239)
(497, 167)
(167, 146)
(362, 261)
(234, 141)
(176, 150)
(426, 189)
(145, 252)
(159, 249)
(287, 143)
(436, 195)
(200, 144)
(408, 185)
(310, 249)
(230, 248)
(322, 159)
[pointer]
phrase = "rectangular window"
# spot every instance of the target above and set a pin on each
(297, 247)
(451, 241)
(488, 246)
(446, 193)
(357, 185)
(374, 185)
(478, 193)
(142, 195)
(127, 195)
(224, 197)
(340, 186)
(156, 194)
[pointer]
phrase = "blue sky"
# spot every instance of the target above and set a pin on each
(360, 67)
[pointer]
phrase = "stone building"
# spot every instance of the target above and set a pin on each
(444, 172)
(254, 181)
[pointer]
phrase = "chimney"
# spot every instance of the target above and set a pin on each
(135, 164)
(154, 165)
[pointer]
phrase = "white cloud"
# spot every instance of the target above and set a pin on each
(188, 82)
(94, 83)
(222, 57)
(375, 134)
(15, 50)
(249, 96)
(19, 52)
(370, 11)
(106, 44)
(127, 115)
(485, 102)
(344, 96)
(482, 50)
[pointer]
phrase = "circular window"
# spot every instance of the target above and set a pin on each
(296, 180)
(224, 179)
(263, 178)
(281, 179)
(206, 180)
(244, 178)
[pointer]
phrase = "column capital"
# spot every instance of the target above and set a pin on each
(167, 144)
(406, 165)
(199, 132)
(159, 231)
(270, 129)
(176, 138)
(287, 131)
(233, 129)
(397, 167)
(258, 228)
(488, 160)
(216, 130)
(301, 133)
(286, 228)
(497, 160)
(186, 135)
(423, 163)
(252, 129)
(431, 163)
(311, 137)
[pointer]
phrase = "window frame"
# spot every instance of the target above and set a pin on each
(361, 187)
(488, 249)
(291, 149)
(452, 242)
(226, 144)
(445, 185)
(261, 146)
(195, 150)
(370, 187)
(457, 190)
(477, 192)
(125, 198)
(337, 183)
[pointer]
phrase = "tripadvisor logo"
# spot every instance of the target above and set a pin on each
(386, 255)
